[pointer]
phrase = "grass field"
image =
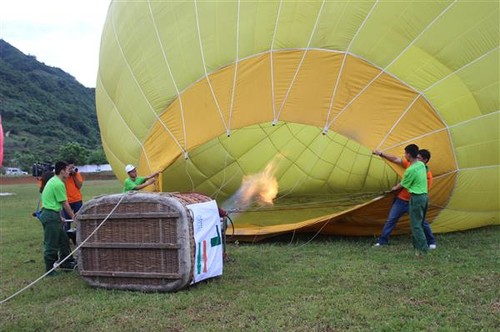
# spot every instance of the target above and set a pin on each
(287, 284)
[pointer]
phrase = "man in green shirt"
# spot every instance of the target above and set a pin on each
(134, 182)
(415, 181)
(54, 199)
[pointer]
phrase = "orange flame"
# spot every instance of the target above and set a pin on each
(260, 188)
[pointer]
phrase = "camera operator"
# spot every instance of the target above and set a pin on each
(74, 183)
(42, 172)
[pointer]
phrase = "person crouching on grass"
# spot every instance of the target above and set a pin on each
(134, 182)
(415, 181)
(56, 242)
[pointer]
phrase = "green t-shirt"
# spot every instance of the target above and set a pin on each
(415, 178)
(54, 194)
(130, 184)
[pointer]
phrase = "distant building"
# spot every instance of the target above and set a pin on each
(94, 168)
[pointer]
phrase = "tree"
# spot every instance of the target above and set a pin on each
(73, 151)
(24, 160)
(97, 157)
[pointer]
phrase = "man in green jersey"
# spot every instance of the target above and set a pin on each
(134, 182)
(415, 181)
(54, 199)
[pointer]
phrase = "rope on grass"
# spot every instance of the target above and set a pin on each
(327, 222)
(71, 254)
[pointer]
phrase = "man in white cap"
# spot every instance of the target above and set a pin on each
(134, 182)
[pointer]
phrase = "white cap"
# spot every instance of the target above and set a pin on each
(129, 168)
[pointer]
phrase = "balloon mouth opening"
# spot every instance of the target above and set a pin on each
(268, 188)
(233, 131)
(256, 203)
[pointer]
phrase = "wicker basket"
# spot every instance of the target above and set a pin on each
(146, 244)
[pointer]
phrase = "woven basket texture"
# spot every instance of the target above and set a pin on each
(146, 244)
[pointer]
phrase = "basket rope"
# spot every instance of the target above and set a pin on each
(65, 258)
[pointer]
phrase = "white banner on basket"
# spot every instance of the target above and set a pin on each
(208, 237)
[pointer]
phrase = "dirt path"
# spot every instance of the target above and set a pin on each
(6, 180)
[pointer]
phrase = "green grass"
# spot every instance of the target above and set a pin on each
(285, 284)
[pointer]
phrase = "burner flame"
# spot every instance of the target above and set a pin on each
(260, 189)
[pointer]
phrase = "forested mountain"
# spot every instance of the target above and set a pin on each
(42, 109)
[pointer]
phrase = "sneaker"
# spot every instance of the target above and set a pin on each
(432, 246)
(71, 265)
(67, 265)
(377, 245)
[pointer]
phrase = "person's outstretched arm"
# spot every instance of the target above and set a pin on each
(150, 176)
(145, 184)
(391, 158)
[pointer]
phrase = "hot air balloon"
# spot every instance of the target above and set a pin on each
(212, 92)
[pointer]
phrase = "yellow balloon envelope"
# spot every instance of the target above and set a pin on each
(210, 92)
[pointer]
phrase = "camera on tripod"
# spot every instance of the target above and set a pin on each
(38, 169)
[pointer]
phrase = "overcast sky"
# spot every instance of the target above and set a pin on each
(59, 33)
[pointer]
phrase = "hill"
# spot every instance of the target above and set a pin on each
(42, 108)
